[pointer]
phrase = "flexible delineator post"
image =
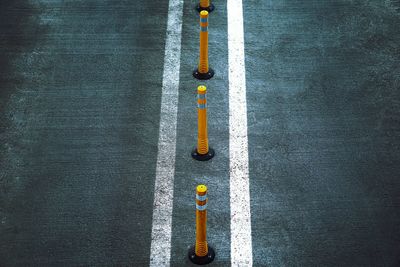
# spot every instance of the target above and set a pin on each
(205, 5)
(201, 253)
(202, 152)
(203, 71)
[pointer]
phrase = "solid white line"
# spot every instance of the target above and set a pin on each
(160, 253)
(241, 246)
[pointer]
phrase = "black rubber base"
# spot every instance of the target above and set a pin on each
(203, 157)
(203, 76)
(209, 9)
(201, 260)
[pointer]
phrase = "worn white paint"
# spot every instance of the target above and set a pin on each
(160, 253)
(241, 244)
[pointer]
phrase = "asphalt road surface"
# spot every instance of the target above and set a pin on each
(80, 98)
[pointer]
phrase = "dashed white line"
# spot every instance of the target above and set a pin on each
(241, 244)
(160, 252)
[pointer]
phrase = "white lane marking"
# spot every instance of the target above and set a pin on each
(241, 246)
(160, 252)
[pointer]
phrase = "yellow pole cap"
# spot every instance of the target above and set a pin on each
(204, 14)
(201, 188)
(201, 89)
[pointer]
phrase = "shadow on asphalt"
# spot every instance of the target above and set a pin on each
(20, 29)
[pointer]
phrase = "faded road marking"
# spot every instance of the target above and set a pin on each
(241, 244)
(160, 253)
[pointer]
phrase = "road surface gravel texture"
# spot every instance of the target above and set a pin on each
(80, 96)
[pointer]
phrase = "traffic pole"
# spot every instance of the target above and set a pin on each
(201, 253)
(203, 71)
(205, 5)
(202, 152)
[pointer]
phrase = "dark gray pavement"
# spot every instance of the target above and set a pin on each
(323, 81)
(79, 124)
(80, 93)
(189, 172)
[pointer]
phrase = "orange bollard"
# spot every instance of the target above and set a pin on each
(202, 152)
(205, 5)
(203, 71)
(201, 253)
